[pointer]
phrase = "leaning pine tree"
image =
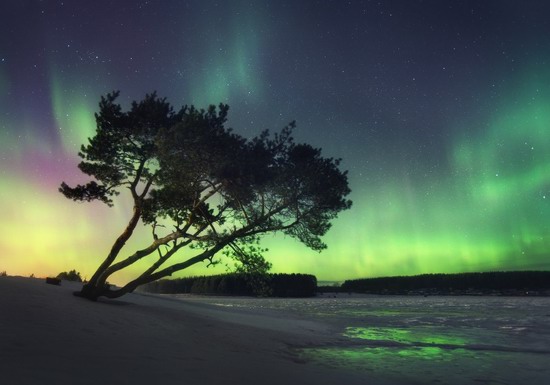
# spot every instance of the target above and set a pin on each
(202, 187)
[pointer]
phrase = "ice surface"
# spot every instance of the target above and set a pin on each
(418, 340)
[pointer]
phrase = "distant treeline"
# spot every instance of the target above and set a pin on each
(501, 282)
(274, 285)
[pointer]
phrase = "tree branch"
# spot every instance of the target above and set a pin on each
(143, 279)
(136, 180)
(117, 246)
(147, 187)
(140, 254)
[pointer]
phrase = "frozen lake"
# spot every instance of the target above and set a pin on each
(424, 340)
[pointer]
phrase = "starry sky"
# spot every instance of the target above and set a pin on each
(440, 110)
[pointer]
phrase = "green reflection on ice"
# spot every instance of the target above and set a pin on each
(406, 336)
(425, 364)
(407, 365)
(375, 358)
(428, 353)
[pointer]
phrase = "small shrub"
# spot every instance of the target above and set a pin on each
(72, 275)
(3, 273)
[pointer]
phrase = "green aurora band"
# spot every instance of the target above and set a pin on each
(230, 67)
(490, 213)
(73, 113)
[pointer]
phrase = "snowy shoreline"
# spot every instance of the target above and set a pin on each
(47, 335)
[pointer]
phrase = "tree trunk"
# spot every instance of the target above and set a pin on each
(97, 287)
(93, 292)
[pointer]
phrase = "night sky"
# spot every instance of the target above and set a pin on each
(439, 109)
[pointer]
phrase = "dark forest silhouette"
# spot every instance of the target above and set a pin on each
(305, 285)
(273, 285)
(512, 282)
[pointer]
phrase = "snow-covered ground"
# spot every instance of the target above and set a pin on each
(48, 336)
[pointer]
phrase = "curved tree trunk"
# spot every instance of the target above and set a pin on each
(96, 286)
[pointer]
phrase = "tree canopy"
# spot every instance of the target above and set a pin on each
(199, 185)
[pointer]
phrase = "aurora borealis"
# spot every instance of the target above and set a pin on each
(439, 109)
